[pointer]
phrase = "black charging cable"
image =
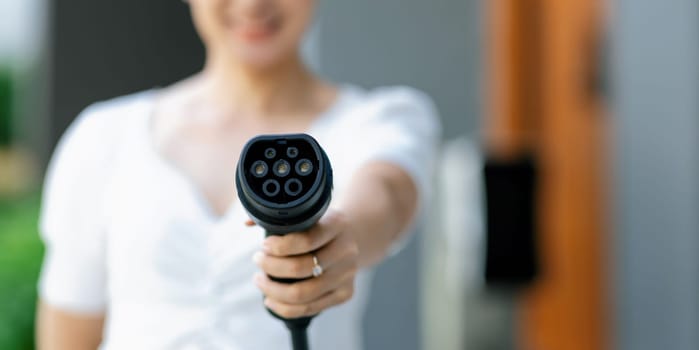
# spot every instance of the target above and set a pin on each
(285, 183)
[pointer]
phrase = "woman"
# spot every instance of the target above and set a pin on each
(147, 244)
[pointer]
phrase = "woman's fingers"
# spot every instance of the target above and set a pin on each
(291, 256)
(306, 291)
(301, 266)
(335, 297)
(298, 243)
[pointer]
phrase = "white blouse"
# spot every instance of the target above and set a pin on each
(129, 235)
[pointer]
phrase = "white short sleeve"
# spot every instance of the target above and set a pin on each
(72, 217)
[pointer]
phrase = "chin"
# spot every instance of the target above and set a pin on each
(263, 57)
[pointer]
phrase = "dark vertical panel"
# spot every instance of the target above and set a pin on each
(104, 48)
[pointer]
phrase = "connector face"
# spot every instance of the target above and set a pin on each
(281, 169)
(284, 181)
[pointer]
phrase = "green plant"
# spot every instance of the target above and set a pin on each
(5, 106)
(21, 252)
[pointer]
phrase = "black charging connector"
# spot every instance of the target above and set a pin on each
(285, 183)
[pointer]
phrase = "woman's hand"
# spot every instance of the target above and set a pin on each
(291, 256)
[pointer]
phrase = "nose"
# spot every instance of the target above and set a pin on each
(254, 9)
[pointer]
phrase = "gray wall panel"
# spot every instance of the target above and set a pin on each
(656, 252)
(433, 45)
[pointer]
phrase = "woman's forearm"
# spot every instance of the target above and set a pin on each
(60, 330)
(380, 204)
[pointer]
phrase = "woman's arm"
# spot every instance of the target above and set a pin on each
(380, 204)
(61, 330)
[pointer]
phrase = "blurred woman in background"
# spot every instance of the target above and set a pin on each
(147, 246)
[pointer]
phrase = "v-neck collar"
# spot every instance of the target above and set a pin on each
(167, 168)
(202, 202)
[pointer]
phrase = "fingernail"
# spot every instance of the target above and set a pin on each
(266, 246)
(257, 257)
(330, 215)
(258, 279)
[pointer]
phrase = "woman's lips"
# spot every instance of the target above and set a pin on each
(256, 30)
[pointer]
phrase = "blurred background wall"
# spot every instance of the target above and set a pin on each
(103, 49)
(547, 102)
(434, 46)
(656, 174)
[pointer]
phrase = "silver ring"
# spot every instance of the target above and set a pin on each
(317, 269)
